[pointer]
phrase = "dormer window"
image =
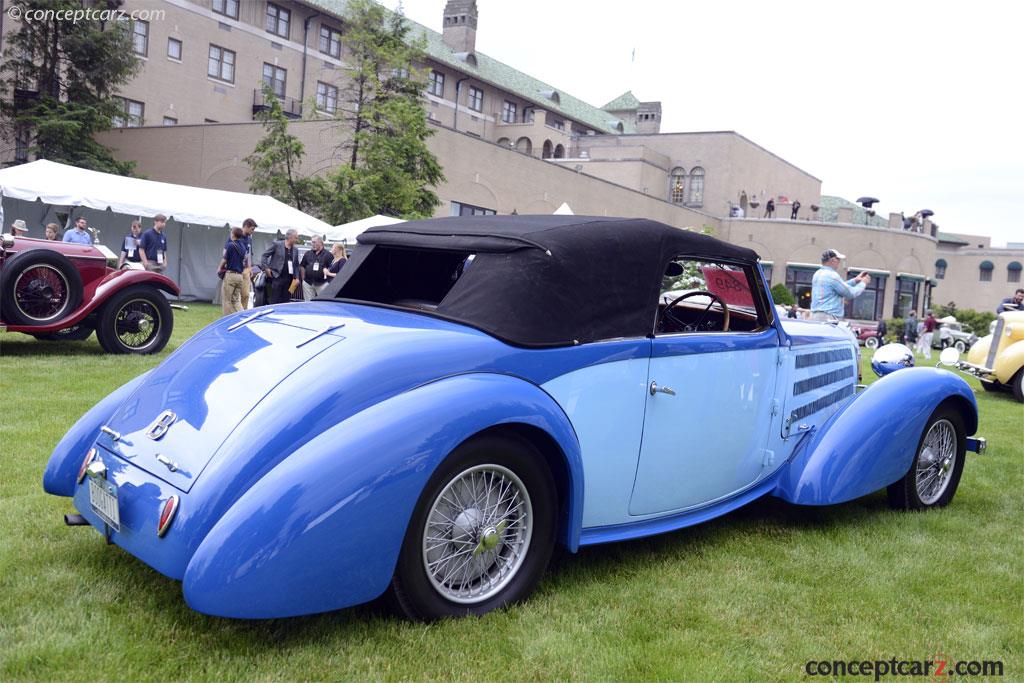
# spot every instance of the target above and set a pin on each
(551, 95)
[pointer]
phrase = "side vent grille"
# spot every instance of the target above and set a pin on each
(822, 403)
(805, 385)
(821, 357)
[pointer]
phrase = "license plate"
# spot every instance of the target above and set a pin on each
(103, 500)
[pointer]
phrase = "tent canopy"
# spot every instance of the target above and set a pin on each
(347, 232)
(62, 185)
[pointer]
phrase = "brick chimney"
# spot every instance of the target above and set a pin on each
(459, 32)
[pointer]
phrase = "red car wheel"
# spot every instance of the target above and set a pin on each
(39, 287)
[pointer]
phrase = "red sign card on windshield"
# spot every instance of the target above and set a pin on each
(730, 285)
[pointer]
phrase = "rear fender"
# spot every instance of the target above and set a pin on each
(62, 468)
(323, 529)
(871, 442)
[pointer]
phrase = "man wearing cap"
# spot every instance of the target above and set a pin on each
(154, 245)
(18, 228)
(829, 291)
(78, 234)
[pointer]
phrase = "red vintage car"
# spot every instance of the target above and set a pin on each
(65, 291)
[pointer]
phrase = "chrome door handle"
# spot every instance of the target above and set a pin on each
(655, 389)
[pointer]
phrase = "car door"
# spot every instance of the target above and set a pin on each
(711, 388)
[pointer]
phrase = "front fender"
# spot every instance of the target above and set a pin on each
(1008, 361)
(872, 441)
(323, 529)
(62, 468)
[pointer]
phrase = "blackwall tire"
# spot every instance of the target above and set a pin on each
(137, 319)
(39, 287)
(463, 554)
(1017, 384)
(934, 474)
(991, 386)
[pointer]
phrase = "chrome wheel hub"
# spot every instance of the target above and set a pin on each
(477, 533)
(936, 461)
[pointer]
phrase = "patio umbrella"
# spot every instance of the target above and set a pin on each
(925, 213)
(866, 202)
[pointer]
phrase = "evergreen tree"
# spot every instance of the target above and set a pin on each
(275, 163)
(58, 80)
(388, 168)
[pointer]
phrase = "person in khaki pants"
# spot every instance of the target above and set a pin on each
(248, 227)
(232, 264)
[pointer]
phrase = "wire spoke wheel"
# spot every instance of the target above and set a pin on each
(41, 293)
(477, 533)
(136, 323)
(936, 462)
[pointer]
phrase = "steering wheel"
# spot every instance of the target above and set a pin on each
(667, 314)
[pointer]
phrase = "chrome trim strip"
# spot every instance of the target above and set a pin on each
(246, 321)
(993, 348)
(317, 335)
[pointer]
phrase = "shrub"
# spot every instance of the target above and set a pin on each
(782, 296)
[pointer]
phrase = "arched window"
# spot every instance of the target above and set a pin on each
(985, 269)
(504, 142)
(524, 145)
(940, 269)
(1013, 269)
(696, 197)
(546, 150)
(559, 152)
(677, 185)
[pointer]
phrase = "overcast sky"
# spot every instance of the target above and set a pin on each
(916, 103)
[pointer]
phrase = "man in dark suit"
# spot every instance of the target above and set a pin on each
(281, 264)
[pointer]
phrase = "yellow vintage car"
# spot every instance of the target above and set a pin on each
(998, 359)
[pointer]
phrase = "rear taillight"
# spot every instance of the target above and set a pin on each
(167, 513)
(89, 457)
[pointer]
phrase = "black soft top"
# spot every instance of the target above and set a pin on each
(534, 280)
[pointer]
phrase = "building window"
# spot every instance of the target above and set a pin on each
(940, 269)
(228, 8)
(326, 97)
(696, 196)
(906, 296)
(508, 112)
(558, 124)
(278, 19)
(1013, 269)
(170, 121)
(435, 83)
(798, 282)
(460, 209)
(476, 98)
(870, 305)
(677, 185)
(140, 37)
(330, 41)
(768, 269)
(985, 271)
(133, 114)
(222, 64)
(174, 48)
(274, 76)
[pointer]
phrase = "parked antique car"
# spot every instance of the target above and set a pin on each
(475, 390)
(64, 291)
(866, 333)
(997, 359)
(955, 334)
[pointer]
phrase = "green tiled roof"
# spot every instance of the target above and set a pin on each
(950, 238)
(830, 212)
(502, 76)
(623, 102)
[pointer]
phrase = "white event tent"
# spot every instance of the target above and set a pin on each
(42, 192)
(347, 232)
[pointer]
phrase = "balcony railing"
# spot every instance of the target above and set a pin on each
(291, 107)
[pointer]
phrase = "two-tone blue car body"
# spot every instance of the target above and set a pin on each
(470, 392)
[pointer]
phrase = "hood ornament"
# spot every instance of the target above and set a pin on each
(161, 424)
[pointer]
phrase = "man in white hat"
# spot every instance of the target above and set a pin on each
(18, 228)
(829, 291)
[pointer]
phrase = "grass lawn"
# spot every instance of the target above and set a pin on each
(752, 596)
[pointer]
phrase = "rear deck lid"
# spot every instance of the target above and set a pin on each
(174, 423)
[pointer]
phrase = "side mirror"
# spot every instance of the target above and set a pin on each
(949, 356)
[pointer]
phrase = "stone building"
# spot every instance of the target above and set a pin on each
(511, 142)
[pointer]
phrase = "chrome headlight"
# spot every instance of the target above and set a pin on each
(890, 358)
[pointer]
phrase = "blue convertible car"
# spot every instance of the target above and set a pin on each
(470, 392)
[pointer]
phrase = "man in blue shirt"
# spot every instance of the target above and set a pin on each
(232, 263)
(248, 228)
(78, 234)
(829, 291)
(154, 245)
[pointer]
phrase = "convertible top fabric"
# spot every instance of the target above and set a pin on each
(540, 280)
